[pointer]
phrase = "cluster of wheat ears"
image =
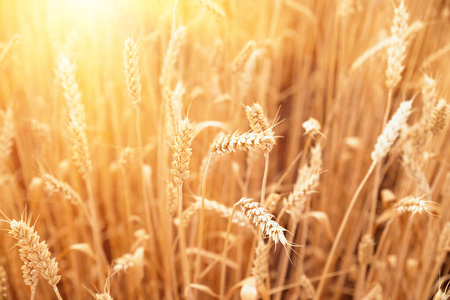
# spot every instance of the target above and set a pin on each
(224, 149)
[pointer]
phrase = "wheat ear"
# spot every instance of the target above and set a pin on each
(133, 78)
(6, 135)
(438, 117)
(242, 141)
(214, 9)
(3, 284)
(243, 56)
(34, 254)
(263, 219)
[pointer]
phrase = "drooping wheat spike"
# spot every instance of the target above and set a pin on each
(307, 286)
(3, 284)
(392, 131)
(214, 9)
(170, 60)
(214, 206)
(413, 205)
(429, 96)
(7, 135)
(132, 75)
(397, 48)
(365, 249)
(260, 268)
(263, 219)
(77, 118)
(53, 185)
(256, 118)
(242, 141)
(34, 254)
(182, 151)
(243, 56)
(438, 117)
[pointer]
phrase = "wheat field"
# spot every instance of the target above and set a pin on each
(224, 149)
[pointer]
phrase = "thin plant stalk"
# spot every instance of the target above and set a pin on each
(335, 245)
(264, 181)
(224, 254)
(202, 220)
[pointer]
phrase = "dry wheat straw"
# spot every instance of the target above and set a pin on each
(7, 135)
(392, 131)
(263, 219)
(242, 141)
(133, 79)
(3, 283)
(438, 117)
(243, 56)
(397, 48)
(182, 151)
(34, 254)
(53, 185)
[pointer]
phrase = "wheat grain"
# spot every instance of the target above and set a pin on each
(182, 151)
(392, 131)
(397, 48)
(34, 254)
(263, 219)
(7, 135)
(133, 78)
(242, 141)
(256, 118)
(54, 185)
(214, 9)
(3, 283)
(260, 268)
(413, 205)
(243, 56)
(214, 206)
(307, 286)
(365, 249)
(438, 117)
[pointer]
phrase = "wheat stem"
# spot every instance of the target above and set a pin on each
(332, 253)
